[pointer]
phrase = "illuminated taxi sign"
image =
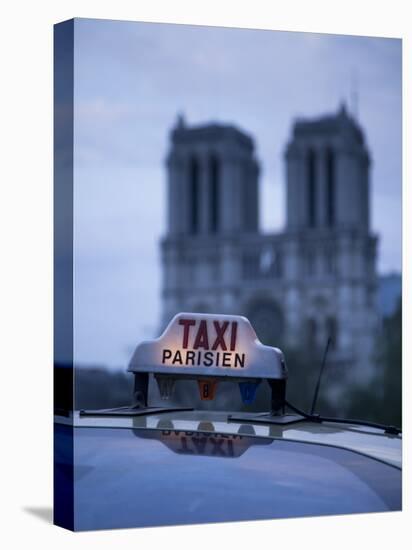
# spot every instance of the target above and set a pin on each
(209, 345)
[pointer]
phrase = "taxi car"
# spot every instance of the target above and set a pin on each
(144, 465)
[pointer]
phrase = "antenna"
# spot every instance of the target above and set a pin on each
(315, 397)
(180, 120)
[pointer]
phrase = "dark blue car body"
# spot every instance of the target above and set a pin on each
(197, 467)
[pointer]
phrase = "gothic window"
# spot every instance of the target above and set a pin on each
(370, 297)
(262, 264)
(310, 263)
(251, 265)
(311, 179)
(330, 188)
(330, 261)
(279, 264)
(311, 333)
(332, 331)
(214, 171)
(246, 266)
(194, 195)
(267, 261)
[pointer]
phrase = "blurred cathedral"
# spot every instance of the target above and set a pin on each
(313, 280)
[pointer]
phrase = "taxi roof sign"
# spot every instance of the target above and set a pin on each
(215, 346)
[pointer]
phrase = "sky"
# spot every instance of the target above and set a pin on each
(130, 82)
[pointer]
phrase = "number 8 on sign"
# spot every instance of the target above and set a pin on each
(207, 389)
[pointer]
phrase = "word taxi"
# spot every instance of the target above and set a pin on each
(205, 344)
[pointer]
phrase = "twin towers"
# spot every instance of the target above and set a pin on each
(315, 279)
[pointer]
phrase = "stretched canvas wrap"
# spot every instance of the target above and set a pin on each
(227, 217)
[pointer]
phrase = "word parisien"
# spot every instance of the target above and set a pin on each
(205, 347)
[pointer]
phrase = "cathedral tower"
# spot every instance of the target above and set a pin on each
(332, 250)
(212, 181)
(212, 200)
(328, 175)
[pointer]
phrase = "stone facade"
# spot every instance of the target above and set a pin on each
(316, 278)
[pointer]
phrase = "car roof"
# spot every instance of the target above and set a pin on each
(142, 477)
(369, 441)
